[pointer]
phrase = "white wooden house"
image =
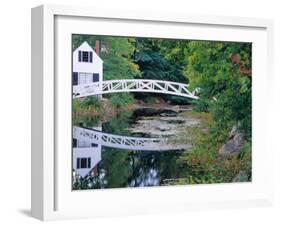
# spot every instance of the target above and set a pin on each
(87, 65)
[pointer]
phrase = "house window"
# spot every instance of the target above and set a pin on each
(85, 78)
(83, 144)
(83, 163)
(85, 56)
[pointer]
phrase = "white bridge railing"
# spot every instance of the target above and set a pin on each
(134, 85)
(125, 142)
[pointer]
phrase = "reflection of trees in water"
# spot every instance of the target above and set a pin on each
(86, 121)
(119, 124)
(132, 169)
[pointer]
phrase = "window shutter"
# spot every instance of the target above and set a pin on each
(78, 163)
(74, 143)
(96, 77)
(89, 162)
(75, 78)
(80, 56)
(91, 57)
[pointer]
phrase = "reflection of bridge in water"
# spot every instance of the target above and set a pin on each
(125, 142)
(87, 147)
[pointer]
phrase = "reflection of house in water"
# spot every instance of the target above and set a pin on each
(86, 156)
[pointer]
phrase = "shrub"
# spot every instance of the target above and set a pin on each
(150, 100)
(76, 105)
(121, 99)
(92, 101)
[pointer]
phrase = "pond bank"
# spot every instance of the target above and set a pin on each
(105, 109)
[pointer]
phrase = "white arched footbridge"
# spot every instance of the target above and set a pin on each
(125, 142)
(134, 85)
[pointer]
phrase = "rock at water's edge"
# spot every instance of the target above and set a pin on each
(242, 176)
(233, 146)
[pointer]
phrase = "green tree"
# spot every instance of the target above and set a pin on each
(150, 57)
(222, 70)
(153, 63)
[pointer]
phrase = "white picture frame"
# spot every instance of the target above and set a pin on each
(52, 197)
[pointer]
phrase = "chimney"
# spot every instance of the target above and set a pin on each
(98, 47)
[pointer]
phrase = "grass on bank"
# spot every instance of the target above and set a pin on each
(204, 164)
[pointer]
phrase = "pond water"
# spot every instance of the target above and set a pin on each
(118, 152)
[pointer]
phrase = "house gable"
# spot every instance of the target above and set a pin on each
(87, 48)
(81, 154)
(86, 71)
